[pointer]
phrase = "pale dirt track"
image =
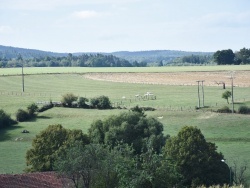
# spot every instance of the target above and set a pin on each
(241, 78)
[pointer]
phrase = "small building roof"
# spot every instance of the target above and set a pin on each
(34, 180)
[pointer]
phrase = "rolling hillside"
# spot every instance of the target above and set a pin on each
(147, 56)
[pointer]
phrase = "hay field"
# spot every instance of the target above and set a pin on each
(211, 78)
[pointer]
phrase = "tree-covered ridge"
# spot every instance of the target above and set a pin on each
(85, 60)
(39, 58)
(8, 52)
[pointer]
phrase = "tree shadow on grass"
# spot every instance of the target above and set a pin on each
(34, 118)
(5, 133)
(43, 117)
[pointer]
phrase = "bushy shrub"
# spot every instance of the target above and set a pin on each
(148, 108)
(101, 102)
(81, 102)
(22, 115)
(5, 119)
(224, 109)
(137, 109)
(45, 107)
(244, 110)
(32, 108)
(141, 109)
(68, 99)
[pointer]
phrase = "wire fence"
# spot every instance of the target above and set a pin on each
(131, 103)
(43, 98)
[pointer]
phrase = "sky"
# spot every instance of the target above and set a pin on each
(125, 25)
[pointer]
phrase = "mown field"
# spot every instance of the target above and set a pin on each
(175, 105)
(41, 70)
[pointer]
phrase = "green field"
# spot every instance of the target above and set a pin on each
(50, 70)
(176, 104)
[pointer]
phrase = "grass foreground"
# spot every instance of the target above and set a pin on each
(175, 108)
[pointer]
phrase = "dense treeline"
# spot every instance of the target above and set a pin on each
(153, 57)
(193, 60)
(228, 57)
(136, 58)
(85, 60)
(37, 58)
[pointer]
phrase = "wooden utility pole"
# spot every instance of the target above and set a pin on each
(22, 77)
(202, 93)
(20, 59)
(232, 82)
(198, 93)
(199, 102)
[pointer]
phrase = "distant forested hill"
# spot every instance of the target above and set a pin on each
(9, 55)
(12, 52)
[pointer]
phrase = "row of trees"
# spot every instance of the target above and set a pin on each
(71, 100)
(68, 100)
(221, 57)
(228, 57)
(193, 60)
(85, 60)
(128, 150)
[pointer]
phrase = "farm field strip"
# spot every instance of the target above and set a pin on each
(173, 78)
(60, 70)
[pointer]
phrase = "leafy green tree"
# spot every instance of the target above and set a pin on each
(76, 165)
(150, 169)
(137, 109)
(101, 102)
(32, 108)
(93, 165)
(243, 56)
(22, 115)
(195, 159)
(132, 128)
(224, 57)
(68, 99)
(226, 95)
(81, 102)
(48, 143)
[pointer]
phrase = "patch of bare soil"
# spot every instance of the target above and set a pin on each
(241, 78)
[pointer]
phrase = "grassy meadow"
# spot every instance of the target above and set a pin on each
(175, 104)
(56, 70)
